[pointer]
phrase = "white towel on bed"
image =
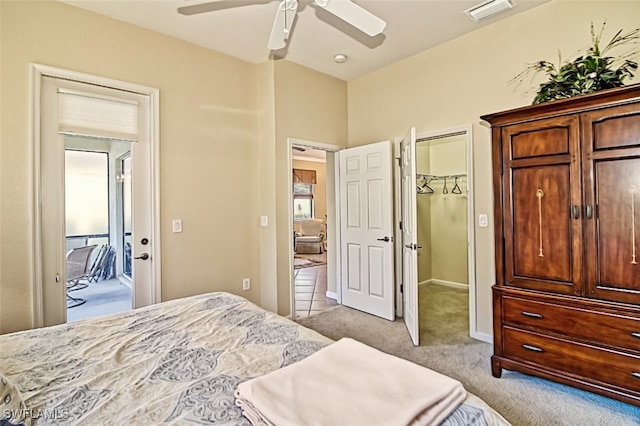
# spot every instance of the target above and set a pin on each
(350, 383)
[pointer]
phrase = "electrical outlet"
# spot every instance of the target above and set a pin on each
(246, 284)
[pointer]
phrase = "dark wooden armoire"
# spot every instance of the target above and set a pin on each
(566, 302)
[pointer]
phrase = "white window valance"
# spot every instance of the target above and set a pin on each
(88, 114)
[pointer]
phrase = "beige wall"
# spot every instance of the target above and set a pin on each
(225, 120)
(265, 194)
(320, 189)
(222, 120)
(453, 84)
(442, 218)
(449, 212)
(209, 134)
(310, 106)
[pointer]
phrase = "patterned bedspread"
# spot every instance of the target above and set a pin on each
(177, 362)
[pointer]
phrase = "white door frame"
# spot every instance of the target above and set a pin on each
(38, 72)
(468, 129)
(332, 244)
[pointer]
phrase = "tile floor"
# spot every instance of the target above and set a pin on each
(102, 298)
(311, 290)
(106, 297)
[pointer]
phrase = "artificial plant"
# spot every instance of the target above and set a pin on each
(590, 72)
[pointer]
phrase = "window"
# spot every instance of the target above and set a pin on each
(86, 197)
(303, 201)
(303, 182)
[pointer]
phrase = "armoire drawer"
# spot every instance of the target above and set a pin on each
(598, 327)
(578, 359)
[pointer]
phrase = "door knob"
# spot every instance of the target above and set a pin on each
(413, 246)
(386, 239)
(143, 256)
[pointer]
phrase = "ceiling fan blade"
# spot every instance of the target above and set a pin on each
(209, 6)
(282, 25)
(212, 5)
(355, 15)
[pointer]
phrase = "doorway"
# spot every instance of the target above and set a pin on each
(69, 105)
(98, 216)
(312, 199)
(444, 219)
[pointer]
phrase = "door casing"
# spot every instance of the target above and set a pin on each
(38, 73)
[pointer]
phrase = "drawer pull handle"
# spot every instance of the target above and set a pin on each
(533, 348)
(635, 374)
(636, 335)
(531, 314)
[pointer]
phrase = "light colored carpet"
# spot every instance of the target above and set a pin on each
(521, 399)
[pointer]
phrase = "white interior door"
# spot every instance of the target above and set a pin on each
(409, 235)
(55, 123)
(366, 226)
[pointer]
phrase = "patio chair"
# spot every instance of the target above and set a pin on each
(78, 269)
(98, 264)
(311, 236)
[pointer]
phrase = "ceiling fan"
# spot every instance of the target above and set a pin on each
(346, 10)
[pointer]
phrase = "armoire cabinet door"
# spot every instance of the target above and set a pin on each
(543, 234)
(611, 146)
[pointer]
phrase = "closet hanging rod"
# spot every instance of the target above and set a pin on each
(440, 177)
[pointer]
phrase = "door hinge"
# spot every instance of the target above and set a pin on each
(401, 288)
(57, 278)
(401, 225)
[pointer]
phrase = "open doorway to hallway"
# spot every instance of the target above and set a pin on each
(310, 216)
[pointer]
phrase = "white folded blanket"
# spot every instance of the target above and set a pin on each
(350, 383)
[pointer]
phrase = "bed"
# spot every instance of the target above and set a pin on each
(177, 362)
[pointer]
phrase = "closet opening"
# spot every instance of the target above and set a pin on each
(444, 213)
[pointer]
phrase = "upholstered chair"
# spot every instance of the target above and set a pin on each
(311, 236)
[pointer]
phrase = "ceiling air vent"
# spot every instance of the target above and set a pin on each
(489, 8)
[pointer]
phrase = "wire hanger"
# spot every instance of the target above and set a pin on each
(425, 188)
(456, 189)
(445, 190)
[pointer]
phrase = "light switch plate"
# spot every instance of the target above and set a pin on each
(483, 221)
(177, 225)
(264, 221)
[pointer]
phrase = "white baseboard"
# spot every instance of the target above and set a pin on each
(332, 295)
(487, 338)
(445, 283)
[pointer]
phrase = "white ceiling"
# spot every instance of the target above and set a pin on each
(243, 31)
(310, 154)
